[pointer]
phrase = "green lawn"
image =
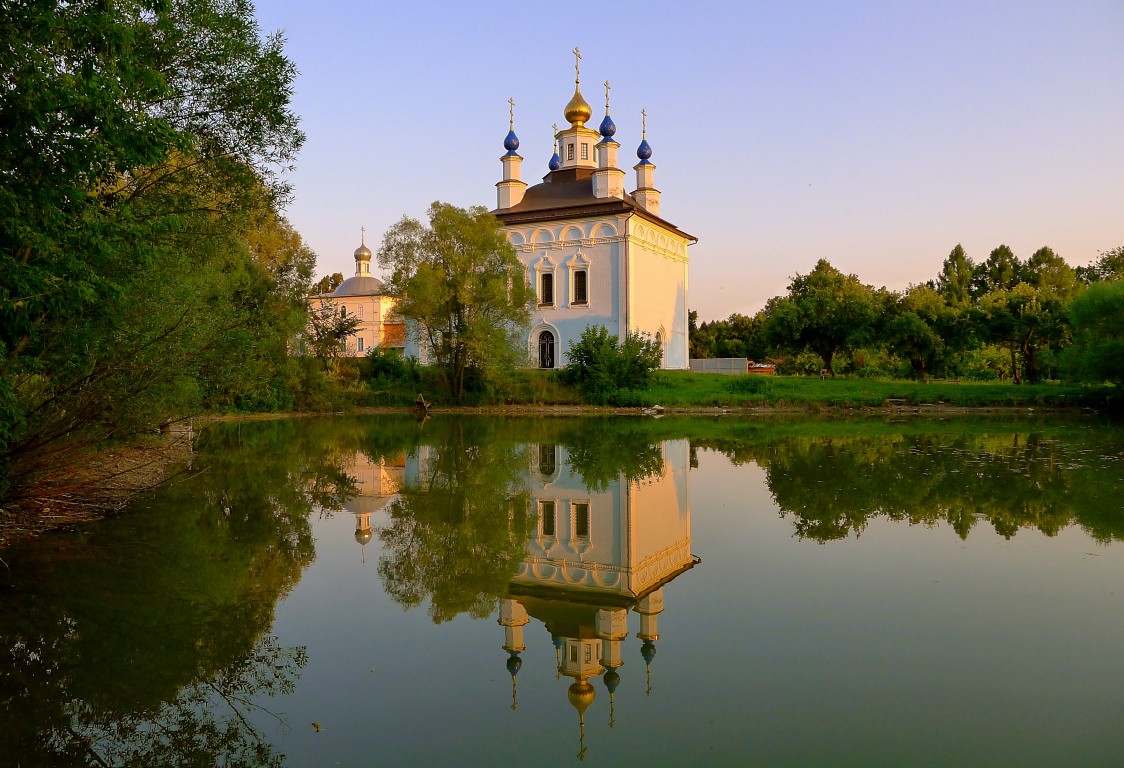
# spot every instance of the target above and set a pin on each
(686, 389)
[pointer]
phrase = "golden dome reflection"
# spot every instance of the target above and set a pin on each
(581, 695)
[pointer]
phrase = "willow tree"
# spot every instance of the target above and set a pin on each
(459, 284)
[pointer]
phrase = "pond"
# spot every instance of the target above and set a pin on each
(361, 591)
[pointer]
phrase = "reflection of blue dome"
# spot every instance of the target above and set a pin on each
(514, 663)
(644, 151)
(511, 143)
(612, 680)
(557, 640)
(608, 128)
(648, 651)
(555, 162)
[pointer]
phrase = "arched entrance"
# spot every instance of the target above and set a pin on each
(546, 349)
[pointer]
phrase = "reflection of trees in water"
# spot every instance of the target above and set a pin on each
(207, 722)
(832, 486)
(458, 535)
(144, 640)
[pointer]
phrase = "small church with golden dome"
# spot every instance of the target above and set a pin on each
(596, 254)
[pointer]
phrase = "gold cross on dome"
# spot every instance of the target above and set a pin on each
(577, 65)
(363, 235)
(644, 123)
(606, 97)
(511, 114)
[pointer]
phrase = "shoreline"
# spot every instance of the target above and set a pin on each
(99, 485)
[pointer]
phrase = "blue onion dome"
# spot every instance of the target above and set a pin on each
(511, 142)
(608, 128)
(555, 162)
(648, 651)
(514, 663)
(557, 640)
(644, 152)
(612, 680)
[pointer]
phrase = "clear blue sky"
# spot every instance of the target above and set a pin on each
(875, 135)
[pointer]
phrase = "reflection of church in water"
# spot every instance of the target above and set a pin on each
(595, 557)
(377, 484)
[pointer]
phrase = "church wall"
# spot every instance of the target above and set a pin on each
(657, 268)
(562, 248)
(375, 329)
(660, 508)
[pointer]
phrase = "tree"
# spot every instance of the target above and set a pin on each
(601, 365)
(1024, 320)
(1001, 271)
(915, 324)
(328, 331)
(955, 281)
(1049, 272)
(141, 140)
(1097, 318)
(460, 283)
(328, 283)
(825, 311)
(1108, 266)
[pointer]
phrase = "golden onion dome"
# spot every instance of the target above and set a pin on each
(578, 110)
(363, 253)
(581, 695)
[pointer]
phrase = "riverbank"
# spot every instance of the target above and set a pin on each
(92, 485)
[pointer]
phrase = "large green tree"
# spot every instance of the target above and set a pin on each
(460, 285)
(825, 311)
(141, 149)
(1097, 318)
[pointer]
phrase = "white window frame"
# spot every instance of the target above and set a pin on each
(579, 263)
(546, 266)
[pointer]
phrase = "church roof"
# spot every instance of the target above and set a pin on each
(359, 285)
(568, 193)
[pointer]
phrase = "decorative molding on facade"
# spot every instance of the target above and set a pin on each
(675, 255)
(558, 245)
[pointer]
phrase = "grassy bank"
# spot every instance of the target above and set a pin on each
(684, 389)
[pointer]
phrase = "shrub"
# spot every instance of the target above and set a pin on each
(601, 365)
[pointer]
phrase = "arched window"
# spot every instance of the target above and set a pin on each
(546, 349)
(546, 290)
(343, 310)
(581, 287)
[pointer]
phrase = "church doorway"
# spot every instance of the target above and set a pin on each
(546, 349)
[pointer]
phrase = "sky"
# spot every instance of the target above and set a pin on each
(876, 135)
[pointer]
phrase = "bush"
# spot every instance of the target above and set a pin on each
(601, 365)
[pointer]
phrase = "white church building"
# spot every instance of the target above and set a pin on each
(596, 254)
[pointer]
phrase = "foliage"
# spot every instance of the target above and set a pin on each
(328, 331)
(457, 536)
(825, 311)
(955, 280)
(1097, 317)
(602, 365)
(144, 272)
(460, 284)
(328, 283)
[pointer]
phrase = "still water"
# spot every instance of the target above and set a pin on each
(466, 591)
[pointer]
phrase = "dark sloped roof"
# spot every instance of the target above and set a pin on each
(568, 193)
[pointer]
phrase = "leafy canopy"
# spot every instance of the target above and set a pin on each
(461, 285)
